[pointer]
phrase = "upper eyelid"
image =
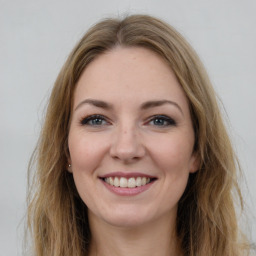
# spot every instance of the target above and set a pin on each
(91, 117)
(150, 118)
(161, 116)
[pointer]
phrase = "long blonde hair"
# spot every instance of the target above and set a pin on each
(206, 220)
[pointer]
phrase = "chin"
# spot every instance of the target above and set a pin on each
(127, 221)
(125, 217)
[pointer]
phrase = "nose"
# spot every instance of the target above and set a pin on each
(127, 144)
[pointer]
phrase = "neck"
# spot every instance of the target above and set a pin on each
(156, 239)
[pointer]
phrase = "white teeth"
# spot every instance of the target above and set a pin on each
(123, 182)
(116, 182)
(131, 183)
(138, 182)
(111, 181)
(127, 183)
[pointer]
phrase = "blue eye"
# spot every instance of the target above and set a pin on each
(162, 121)
(94, 120)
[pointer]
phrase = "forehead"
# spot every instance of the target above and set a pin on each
(133, 73)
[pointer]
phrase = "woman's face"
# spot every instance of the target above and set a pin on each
(131, 138)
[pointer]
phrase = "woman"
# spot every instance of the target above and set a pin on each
(133, 158)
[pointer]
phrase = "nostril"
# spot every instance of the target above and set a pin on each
(127, 152)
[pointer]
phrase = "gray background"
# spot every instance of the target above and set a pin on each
(37, 36)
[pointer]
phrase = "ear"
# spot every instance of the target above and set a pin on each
(194, 163)
(69, 167)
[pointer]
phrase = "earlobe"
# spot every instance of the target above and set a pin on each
(195, 163)
(69, 168)
(67, 154)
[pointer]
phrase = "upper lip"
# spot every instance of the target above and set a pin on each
(127, 175)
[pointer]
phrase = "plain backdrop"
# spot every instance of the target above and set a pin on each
(36, 38)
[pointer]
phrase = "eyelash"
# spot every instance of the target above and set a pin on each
(86, 120)
(165, 120)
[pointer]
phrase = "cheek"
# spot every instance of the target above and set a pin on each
(173, 154)
(85, 152)
(173, 157)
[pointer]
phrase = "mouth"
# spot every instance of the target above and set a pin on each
(131, 182)
(127, 184)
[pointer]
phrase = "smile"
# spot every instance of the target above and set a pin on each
(127, 184)
(131, 182)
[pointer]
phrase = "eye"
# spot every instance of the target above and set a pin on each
(94, 120)
(161, 121)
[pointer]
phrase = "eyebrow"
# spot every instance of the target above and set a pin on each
(158, 103)
(96, 103)
(144, 106)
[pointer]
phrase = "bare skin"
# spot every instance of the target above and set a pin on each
(142, 241)
(131, 119)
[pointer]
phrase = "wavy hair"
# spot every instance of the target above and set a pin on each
(206, 219)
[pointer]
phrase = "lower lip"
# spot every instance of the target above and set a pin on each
(127, 191)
